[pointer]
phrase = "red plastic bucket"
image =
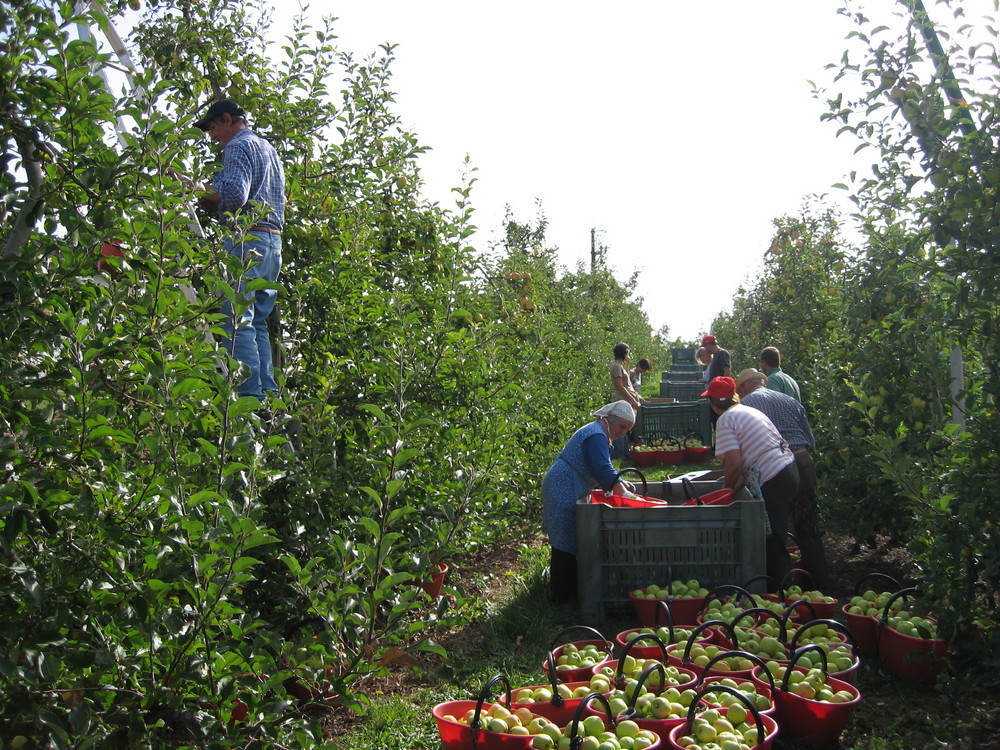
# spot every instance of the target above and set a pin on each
(433, 586)
(696, 455)
(683, 611)
(716, 497)
(865, 629)
(644, 459)
(458, 736)
(581, 673)
(661, 727)
(918, 660)
(672, 457)
(641, 651)
(811, 722)
(758, 688)
(685, 679)
(766, 725)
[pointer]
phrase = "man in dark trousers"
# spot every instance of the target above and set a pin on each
(251, 183)
(789, 417)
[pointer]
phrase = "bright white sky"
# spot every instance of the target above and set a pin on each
(678, 130)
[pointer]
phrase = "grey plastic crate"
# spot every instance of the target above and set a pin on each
(622, 549)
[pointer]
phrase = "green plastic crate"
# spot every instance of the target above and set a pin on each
(681, 391)
(680, 375)
(683, 355)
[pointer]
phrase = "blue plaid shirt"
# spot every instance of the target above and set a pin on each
(251, 178)
(787, 414)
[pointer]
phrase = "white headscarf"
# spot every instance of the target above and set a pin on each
(621, 409)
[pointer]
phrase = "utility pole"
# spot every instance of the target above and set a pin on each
(597, 252)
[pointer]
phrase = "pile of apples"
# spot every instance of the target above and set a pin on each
(627, 735)
(573, 657)
(872, 603)
(681, 635)
(498, 718)
(544, 694)
(632, 668)
(670, 704)
(810, 684)
(727, 700)
(549, 736)
(702, 653)
(733, 730)
(675, 590)
(913, 625)
(838, 657)
(760, 643)
(818, 633)
(795, 593)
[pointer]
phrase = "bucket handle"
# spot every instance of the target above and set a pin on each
(578, 715)
(661, 606)
(735, 652)
(634, 470)
(754, 580)
(475, 725)
(789, 577)
(693, 638)
(558, 640)
(796, 655)
(838, 626)
(717, 592)
(896, 586)
(641, 683)
(752, 612)
(790, 610)
(902, 593)
(690, 493)
(619, 673)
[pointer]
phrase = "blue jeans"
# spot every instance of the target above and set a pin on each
(252, 345)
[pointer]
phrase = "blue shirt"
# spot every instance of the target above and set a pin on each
(583, 464)
(787, 414)
(252, 180)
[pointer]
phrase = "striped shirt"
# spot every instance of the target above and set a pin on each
(744, 429)
(252, 180)
(787, 414)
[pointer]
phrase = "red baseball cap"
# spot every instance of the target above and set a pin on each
(720, 387)
(709, 339)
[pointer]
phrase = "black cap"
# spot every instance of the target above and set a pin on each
(219, 108)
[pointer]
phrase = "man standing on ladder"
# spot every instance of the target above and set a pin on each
(252, 180)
